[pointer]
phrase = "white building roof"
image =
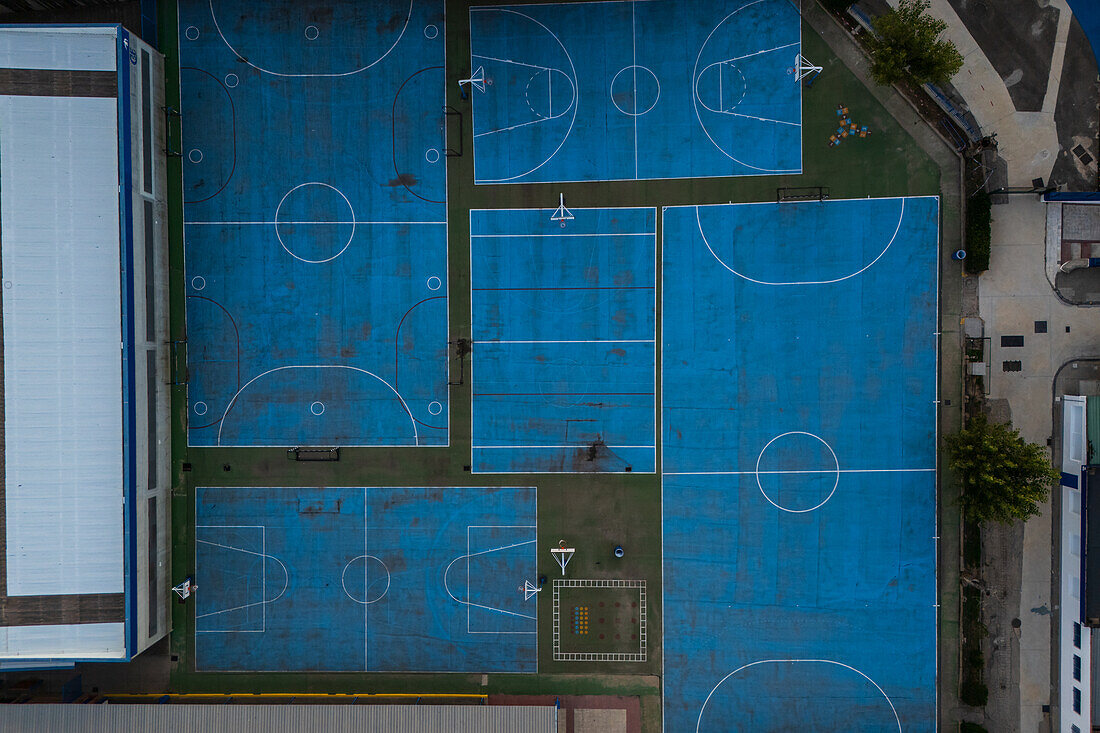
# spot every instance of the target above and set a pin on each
(63, 331)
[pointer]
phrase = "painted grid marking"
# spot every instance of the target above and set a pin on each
(640, 656)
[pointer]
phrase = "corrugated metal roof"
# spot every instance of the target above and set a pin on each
(62, 323)
(281, 718)
(84, 49)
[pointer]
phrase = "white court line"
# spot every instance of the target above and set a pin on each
(714, 689)
(579, 341)
(829, 471)
(466, 557)
(757, 53)
(695, 99)
(558, 447)
(565, 234)
(758, 119)
(404, 405)
(574, 104)
(513, 127)
(634, 63)
(901, 217)
(241, 57)
(273, 223)
(510, 61)
(263, 586)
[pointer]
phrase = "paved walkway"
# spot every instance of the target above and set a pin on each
(1014, 295)
(1028, 141)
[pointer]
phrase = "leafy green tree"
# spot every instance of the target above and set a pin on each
(1004, 478)
(906, 45)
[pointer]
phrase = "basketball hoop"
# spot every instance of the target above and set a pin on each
(561, 214)
(803, 69)
(184, 589)
(562, 555)
(529, 589)
(477, 80)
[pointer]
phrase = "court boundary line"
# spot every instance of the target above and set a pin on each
(563, 234)
(657, 245)
(469, 604)
(695, 73)
(575, 102)
(752, 172)
(639, 656)
(889, 244)
(936, 426)
(508, 342)
(634, 67)
(240, 57)
(355, 222)
(811, 471)
(558, 447)
(703, 707)
(364, 489)
(262, 603)
(404, 405)
(446, 244)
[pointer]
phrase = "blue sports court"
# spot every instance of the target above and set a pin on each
(315, 223)
(799, 425)
(604, 91)
(365, 579)
(564, 324)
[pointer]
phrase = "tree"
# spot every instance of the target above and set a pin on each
(906, 45)
(1004, 478)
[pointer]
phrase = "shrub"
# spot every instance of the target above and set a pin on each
(973, 693)
(978, 232)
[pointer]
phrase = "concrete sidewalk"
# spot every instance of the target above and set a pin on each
(1017, 299)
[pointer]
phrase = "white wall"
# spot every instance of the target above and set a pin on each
(1074, 638)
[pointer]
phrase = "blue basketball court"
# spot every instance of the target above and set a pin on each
(635, 90)
(799, 425)
(564, 324)
(375, 579)
(315, 223)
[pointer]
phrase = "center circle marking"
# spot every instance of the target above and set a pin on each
(312, 33)
(435, 408)
(317, 408)
(835, 471)
(631, 79)
(279, 236)
(365, 558)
